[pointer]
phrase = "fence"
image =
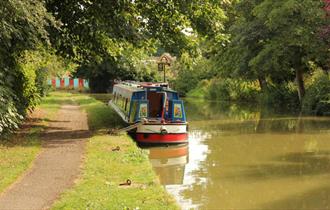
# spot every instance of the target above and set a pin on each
(69, 83)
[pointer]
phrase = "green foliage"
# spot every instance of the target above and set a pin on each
(41, 83)
(219, 90)
(188, 71)
(273, 42)
(9, 116)
(200, 91)
(281, 95)
(233, 90)
(317, 98)
(110, 40)
(226, 89)
(126, 66)
(22, 28)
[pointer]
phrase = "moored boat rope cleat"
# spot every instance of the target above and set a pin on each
(116, 149)
(127, 183)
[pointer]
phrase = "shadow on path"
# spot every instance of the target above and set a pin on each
(56, 167)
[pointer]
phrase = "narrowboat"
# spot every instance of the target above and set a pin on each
(153, 110)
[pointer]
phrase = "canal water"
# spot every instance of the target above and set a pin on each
(247, 158)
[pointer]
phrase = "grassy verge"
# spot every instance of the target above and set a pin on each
(18, 151)
(104, 169)
(16, 155)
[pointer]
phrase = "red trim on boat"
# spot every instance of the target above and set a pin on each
(162, 138)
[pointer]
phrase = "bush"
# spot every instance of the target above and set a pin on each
(243, 91)
(189, 71)
(41, 81)
(9, 116)
(280, 95)
(219, 90)
(317, 98)
(201, 91)
(10, 89)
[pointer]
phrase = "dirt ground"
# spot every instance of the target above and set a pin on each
(56, 167)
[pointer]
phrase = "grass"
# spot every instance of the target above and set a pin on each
(18, 151)
(16, 155)
(104, 169)
(54, 100)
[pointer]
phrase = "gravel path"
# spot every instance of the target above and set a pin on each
(56, 167)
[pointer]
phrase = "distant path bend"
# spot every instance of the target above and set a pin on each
(56, 167)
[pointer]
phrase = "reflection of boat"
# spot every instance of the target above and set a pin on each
(169, 163)
(155, 111)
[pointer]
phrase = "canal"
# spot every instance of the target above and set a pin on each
(247, 158)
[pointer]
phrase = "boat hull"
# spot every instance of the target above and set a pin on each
(157, 138)
(162, 133)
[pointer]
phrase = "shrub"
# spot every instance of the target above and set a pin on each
(219, 90)
(41, 81)
(201, 91)
(317, 98)
(189, 71)
(280, 95)
(9, 116)
(243, 91)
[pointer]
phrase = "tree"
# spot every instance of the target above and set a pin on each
(277, 40)
(22, 27)
(97, 32)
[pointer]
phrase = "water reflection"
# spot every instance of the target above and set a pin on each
(169, 163)
(250, 158)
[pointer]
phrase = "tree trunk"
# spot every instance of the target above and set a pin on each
(300, 83)
(262, 82)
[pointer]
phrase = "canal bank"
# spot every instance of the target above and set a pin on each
(109, 162)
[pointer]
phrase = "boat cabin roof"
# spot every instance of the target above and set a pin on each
(127, 88)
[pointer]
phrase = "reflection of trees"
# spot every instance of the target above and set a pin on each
(224, 176)
(207, 110)
(292, 125)
(240, 135)
(266, 125)
(226, 117)
(313, 199)
(291, 164)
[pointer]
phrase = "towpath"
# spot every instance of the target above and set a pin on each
(56, 167)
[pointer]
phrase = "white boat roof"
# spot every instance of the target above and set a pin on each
(127, 88)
